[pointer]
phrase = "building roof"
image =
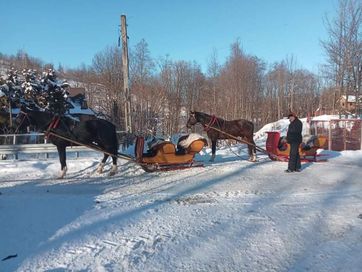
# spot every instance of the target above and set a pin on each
(351, 98)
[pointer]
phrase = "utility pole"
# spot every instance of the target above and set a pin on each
(125, 65)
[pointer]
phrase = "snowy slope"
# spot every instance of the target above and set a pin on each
(231, 215)
(282, 126)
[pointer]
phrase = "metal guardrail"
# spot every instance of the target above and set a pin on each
(16, 149)
(13, 139)
(35, 143)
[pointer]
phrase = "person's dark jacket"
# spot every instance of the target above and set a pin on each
(294, 134)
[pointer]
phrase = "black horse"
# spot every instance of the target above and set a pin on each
(97, 133)
(237, 128)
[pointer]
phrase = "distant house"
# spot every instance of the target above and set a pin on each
(74, 91)
(78, 103)
(350, 105)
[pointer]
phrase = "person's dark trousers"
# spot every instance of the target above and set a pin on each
(294, 158)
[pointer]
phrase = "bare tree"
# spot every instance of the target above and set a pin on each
(142, 68)
(344, 49)
(213, 73)
(107, 64)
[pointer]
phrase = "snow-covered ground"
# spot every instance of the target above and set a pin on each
(231, 215)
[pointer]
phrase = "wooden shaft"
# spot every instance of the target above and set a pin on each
(123, 156)
(240, 140)
(260, 149)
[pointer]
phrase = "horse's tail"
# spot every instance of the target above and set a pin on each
(115, 139)
(252, 127)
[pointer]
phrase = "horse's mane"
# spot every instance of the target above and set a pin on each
(199, 114)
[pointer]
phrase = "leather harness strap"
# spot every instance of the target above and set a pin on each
(209, 125)
(53, 124)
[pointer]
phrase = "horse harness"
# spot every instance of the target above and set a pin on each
(53, 125)
(209, 126)
(213, 120)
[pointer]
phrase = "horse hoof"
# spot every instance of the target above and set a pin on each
(113, 170)
(100, 168)
(63, 172)
(61, 176)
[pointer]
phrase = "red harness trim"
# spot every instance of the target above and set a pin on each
(56, 122)
(53, 124)
(209, 125)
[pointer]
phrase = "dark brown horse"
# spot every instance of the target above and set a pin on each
(237, 128)
(97, 133)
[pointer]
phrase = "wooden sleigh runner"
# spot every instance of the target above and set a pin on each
(278, 150)
(163, 156)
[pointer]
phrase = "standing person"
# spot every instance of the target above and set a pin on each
(294, 138)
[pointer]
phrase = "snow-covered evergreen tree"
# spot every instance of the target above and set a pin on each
(46, 92)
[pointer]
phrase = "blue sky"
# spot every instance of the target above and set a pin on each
(72, 32)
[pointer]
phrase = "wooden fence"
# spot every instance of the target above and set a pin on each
(343, 134)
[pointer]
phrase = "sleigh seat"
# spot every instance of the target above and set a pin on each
(165, 152)
(281, 152)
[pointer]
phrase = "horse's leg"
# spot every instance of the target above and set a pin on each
(213, 150)
(252, 149)
(101, 165)
(62, 159)
(114, 166)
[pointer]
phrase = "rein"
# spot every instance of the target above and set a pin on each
(22, 121)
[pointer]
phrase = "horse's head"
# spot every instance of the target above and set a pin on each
(192, 119)
(32, 116)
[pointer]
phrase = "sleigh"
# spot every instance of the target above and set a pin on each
(280, 151)
(164, 156)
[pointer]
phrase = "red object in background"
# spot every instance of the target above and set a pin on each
(272, 142)
(276, 154)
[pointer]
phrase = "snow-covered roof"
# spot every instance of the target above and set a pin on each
(351, 98)
(77, 109)
(325, 117)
